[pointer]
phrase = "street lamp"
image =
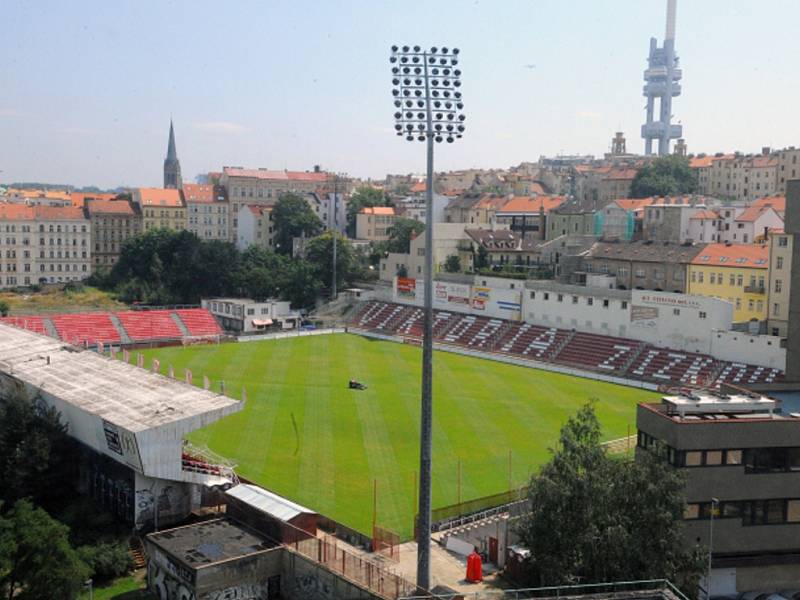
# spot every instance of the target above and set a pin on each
(88, 585)
(333, 221)
(428, 105)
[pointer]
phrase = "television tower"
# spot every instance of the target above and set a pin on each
(661, 82)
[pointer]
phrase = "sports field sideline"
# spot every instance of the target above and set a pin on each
(305, 435)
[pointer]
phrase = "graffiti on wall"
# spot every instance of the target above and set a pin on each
(312, 587)
(243, 591)
(167, 500)
(166, 586)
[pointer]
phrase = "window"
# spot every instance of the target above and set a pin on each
(691, 512)
(712, 278)
(694, 277)
(779, 262)
(732, 280)
(676, 312)
(733, 457)
(713, 457)
(561, 297)
(738, 304)
(776, 311)
(533, 295)
(590, 301)
(740, 280)
(624, 304)
(778, 286)
(702, 315)
(605, 303)
(574, 299)
(693, 458)
(546, 296)
(700, 277)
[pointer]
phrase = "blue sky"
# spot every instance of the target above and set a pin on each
(88, 87)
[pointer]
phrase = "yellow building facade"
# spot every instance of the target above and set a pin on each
(738, 273)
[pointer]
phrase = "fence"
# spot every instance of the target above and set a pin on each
(386, 543)
(446, 516)
(330, 553)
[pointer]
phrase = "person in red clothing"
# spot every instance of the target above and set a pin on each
(474, 567)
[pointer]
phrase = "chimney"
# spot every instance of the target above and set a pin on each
(765, 150)
(792, 228)
(317, 169)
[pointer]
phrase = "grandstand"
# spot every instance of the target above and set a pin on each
(609, 355)
(130, 422)
(123, 327)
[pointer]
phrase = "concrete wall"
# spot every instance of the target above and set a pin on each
(303, 579)
(159, 501)
(735, 346)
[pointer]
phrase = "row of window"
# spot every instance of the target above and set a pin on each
(754, 460)
(736, 280)
(639, 273)
(576, 299)
(751, 512)
(53, 279)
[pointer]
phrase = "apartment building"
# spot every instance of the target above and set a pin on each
(255, 227)
(643, 265)
(742, 464)
(448, 239)
(474, 210)
(601, 185)
(263, 187)
(161, 208)
(570, 219)
(207, 211)
(43, 244)
(527, 215)
(374, 223)
(780, 277)
(734, 272)
(788, 166)
(738, 177)
(112, 223)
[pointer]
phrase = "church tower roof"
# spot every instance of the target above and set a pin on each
(172, 166)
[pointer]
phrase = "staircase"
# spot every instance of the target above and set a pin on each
(632, 358)
(491, 344)
(50, 328)
(181, 325)
(123, 335)
(554, 354)
(136, 551)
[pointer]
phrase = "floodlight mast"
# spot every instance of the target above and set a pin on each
(429, 106)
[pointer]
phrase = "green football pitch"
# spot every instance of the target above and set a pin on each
(303, 434)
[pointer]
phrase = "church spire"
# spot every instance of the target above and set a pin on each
(172, 166)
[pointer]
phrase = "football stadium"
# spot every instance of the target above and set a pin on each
(349, 454)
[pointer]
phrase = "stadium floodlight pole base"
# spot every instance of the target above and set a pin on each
(426, 408)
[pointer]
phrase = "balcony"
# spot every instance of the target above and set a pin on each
(755, 289)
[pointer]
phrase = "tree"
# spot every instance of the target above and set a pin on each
(107, 560)
(401, 233)
(402, 271)
(36, 559)
(362, 198)
(4, 308)
(37, 456)
(452, 264)
(319, 253)
(665, 176)
(481, 258)
(595, 519)
(293, 218)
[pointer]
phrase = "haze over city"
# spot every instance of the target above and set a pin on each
(89, 88)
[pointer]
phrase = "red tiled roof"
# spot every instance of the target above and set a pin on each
(700, 162)
(116, 207)
(532, 204)
(198, 193)
(378, 210)
(159, 197)
(23, 212)
(734, 255)
(760, 162)
(79, 198)
(701, 215)
(277, 175)
(776, 202)
(752, 213)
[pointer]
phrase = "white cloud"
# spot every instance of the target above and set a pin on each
(79, 131)
(588, 114)
(220, 127)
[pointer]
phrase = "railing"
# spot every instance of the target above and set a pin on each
(658, 587)
(358, 569)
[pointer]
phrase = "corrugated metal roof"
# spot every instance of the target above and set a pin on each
(265, 501)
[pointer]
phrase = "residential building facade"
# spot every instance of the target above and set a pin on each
(43, 244)
(374, 223)
(243, 315)
(734, 272)
(112, 223)
(449, 239)
(263, 187)
(643, 265)
(207, 211)
(255, 227)
(780, 277)
(161, 208)
(527, 215)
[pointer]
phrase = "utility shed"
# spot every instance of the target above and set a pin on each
(275, 516)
